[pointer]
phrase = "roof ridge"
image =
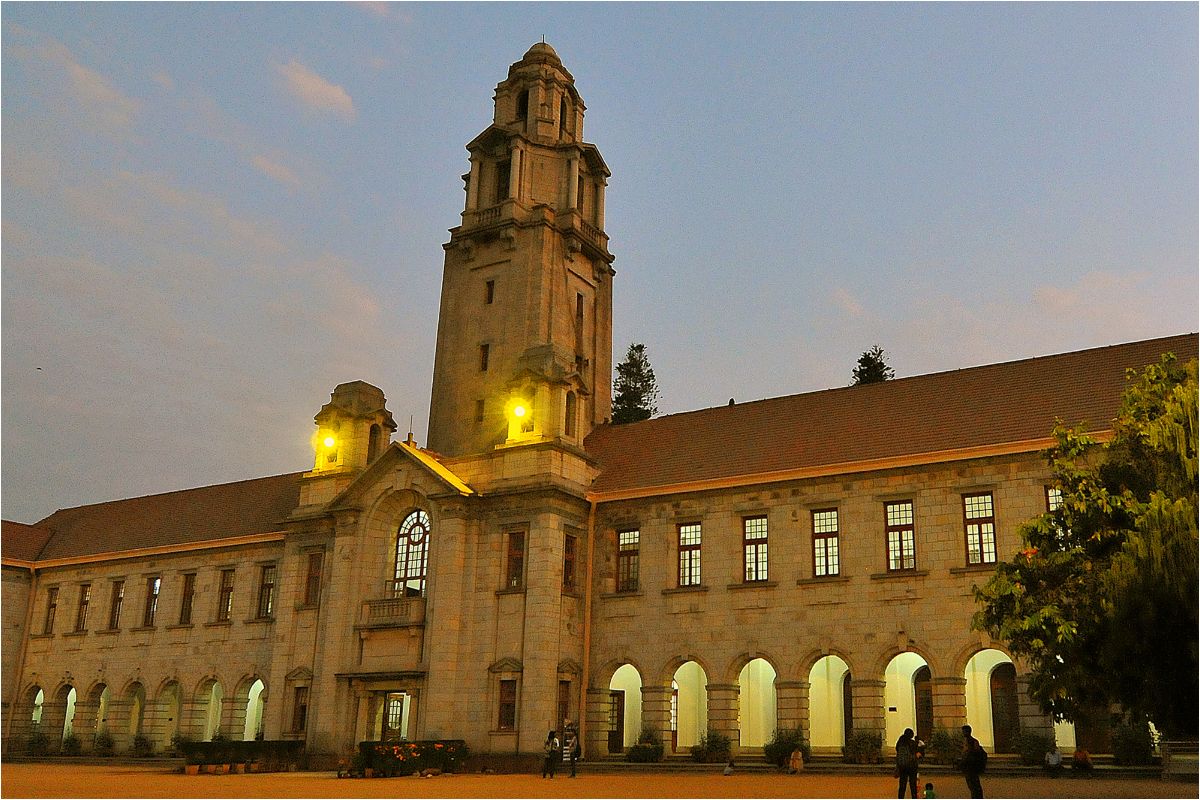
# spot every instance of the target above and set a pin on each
(923, 375)
(165, 494)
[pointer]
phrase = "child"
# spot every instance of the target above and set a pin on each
(929, 793)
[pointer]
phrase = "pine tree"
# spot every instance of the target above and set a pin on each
(872, 367)
(635, 390)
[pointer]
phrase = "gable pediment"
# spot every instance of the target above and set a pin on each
(509, 664)
(402, 466)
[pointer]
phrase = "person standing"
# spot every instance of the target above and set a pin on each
(974, 761)
(553, 754)
(906, 763)
(570, 747)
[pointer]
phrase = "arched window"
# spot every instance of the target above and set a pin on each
(571, 414)
(412, 555)
(562, 116)
(373, 440)
(523, 104)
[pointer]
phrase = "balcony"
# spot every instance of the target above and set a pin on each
(393, 612)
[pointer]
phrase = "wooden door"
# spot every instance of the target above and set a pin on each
(923, 691)
(616, 721)
(1005, 718)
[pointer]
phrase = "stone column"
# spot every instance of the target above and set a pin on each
(85, 720)
(362, 715)
(656, 712)
(949, 702)
(473, 186)
(155, 726)
(514, 174)
(723, 711)
(600, 184)
(866, 700)
(595, 743)
(791, 705)
(119, 709)
(195, 714)
(573, 183)
(235, 712)
(1030, 715)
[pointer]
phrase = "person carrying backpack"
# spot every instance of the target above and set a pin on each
(906, 763)
(973, 762)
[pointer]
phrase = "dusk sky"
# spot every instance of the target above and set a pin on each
(214, 213)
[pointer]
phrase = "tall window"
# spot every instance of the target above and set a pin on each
(523, 104)
(300, 709)
(51, 609)
(901, 542)
(85, 598)
(508, 706)
(569, 561)
(225, 596)
(503, 168)
(564, 703)
(826, 558)
(979, 523)
(114, 605)
(571, 413)
(484, 353)
(266, 592)
(515, 570)
(312, 581)
(754, 548)
(185, 602)
(153, 585)
(489, 292)
(627, 560)
(412, 556)
(689, 554)
(479, 410)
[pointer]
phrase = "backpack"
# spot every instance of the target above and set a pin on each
(976, 760)
(906, 758)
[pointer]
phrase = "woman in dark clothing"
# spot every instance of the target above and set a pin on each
(553, 754)
(906, 762)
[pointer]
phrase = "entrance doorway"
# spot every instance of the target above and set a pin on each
(616, 721)
(1004, 708)
(395, 717)
(923, 694)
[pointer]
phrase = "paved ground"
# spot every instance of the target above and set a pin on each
(46, 780)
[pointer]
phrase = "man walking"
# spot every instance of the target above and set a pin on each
(973, 763)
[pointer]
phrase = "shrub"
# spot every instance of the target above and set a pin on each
(783, 742)
(863, 747)
(143, 746)
(405, 758)
(102, 744)
(38, 743)
(1032, 747)
(177, 742)
(71, 746)
(1132, 744)
(649, 748)
(274, 753)
(945, 747)
(712, 749)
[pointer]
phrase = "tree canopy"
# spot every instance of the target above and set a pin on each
(635, 391)
(1102, 601)
(872, 367)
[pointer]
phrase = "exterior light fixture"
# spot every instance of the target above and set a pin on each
(518, 411)
(330, 441)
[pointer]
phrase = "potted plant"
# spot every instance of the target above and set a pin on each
(102, 744)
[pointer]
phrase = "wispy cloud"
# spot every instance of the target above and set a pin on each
(847, 302)
(164, 80)
(314, 91)
(87, 88)
(275, 171)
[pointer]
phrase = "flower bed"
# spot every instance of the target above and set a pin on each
(405, 758)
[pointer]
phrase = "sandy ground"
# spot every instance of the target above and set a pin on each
(42, 780)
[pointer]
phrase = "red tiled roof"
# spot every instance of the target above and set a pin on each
(208, 513)
(976, 407)
(20, 541)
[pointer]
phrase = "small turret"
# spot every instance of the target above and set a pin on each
(353, 428)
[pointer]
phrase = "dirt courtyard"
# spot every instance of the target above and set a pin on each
(46, 780)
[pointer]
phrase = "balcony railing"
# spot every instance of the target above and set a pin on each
(394, 611)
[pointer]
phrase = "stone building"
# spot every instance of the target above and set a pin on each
(801, 561)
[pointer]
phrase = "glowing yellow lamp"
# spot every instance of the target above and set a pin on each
(330, 441)
(518, 411)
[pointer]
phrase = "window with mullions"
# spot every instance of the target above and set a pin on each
(689, 554)
(312, 581)
(115, 605)
(901, 541)
(85, 599)
(412, 556)
(51, 609)
(266, 592)
(754, 549)
(826, 555)
(515, 572)
(508, 706)
(568, 580)
(979, 524)
(225, 596)
(188, 595)
(1054, 498)
(627, 560)
(153, 585)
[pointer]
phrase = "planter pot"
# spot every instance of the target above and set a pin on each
(222, 769)
(239, 769)
(368, 773)
(191, 769)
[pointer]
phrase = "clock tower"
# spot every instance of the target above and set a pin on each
(524, 343)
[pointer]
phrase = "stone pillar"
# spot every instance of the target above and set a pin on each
(119, 709)
(473, 186)
(949, 702)
(573, 183)
(362, 716)
(723, 711)
(791, 705)
(235, 712)
(514, 174)
(656, 712)
(866, 699)
(1029, 713)
(595, 742)
(85, 720)
(195, 714)
(600, 184)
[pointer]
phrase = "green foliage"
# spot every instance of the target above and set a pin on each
(143, 746)
(38, 743)
(872, 367)
(713, 748)
(405, 758)
(863, 747)
(783, 742)
(1032, 747)
(945, 747)
(635, 391)
(273, 753)
(1102, 600)
(102, 744)
(649, 748)
(1132, 744)
(178, 740)
(71, 746)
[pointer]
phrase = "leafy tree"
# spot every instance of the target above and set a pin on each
(1102, 602)
(872, 367)
(636, 395)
